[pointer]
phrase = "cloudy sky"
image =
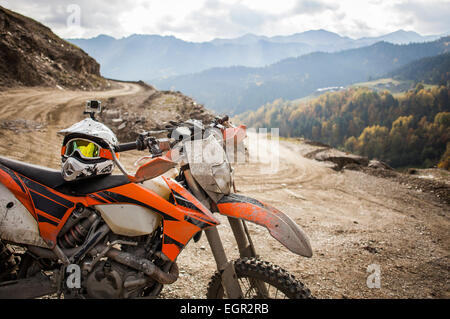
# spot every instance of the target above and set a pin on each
(203, 20)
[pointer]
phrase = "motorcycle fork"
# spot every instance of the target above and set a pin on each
(225, 267)
(245, 245)
(242, 236)
(246, 249)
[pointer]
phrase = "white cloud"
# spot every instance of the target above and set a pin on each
(99, 16)
(313, 6)
(430, 17)
(202, 20)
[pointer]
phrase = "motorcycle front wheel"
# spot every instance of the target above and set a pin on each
(260, 280)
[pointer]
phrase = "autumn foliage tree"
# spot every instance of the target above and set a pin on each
(411, 129)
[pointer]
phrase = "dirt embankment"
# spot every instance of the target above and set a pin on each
(432, 181)
(149, 109)
(32, 55)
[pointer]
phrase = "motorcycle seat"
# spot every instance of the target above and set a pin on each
(53, 178)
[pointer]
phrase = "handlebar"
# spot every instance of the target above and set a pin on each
(223, 119)
(154, 145)
(126, 147)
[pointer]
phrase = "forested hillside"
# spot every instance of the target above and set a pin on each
(431, 70)
(412, 129)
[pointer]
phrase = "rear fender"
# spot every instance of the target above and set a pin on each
(279, 225)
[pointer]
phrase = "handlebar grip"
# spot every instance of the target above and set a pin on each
(126, 147)
(223, 119)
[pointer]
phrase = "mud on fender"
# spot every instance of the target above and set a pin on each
(279, 225)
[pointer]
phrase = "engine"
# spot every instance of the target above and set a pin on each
(110, 279)
(8, 263)
(116, 267)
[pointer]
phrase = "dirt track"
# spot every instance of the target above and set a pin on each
(52, 110)
(353, 219)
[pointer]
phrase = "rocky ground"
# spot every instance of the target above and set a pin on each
(432, 181)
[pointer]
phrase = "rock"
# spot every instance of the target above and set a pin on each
(341, 159)
(371, 249)
(353, 167)
(111, 114)
(122, 126)
(117, 121)
(379, 165)
(22, 126)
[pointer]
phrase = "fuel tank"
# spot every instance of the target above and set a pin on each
(159, 186)
(129, 220)
(133, 220)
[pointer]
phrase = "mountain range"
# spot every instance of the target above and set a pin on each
(237, 89)
(148, 57)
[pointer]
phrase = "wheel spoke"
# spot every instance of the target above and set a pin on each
(257, 278)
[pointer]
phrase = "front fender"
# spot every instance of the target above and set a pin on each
(280, 226)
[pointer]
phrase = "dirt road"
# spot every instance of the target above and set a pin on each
(30, 118)
(354, 220)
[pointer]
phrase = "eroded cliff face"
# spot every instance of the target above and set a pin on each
(32, 55)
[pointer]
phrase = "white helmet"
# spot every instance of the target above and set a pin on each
(86, 150)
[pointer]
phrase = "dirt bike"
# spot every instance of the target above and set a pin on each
(121, 234)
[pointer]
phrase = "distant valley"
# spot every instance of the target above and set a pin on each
(238, 89)
(240, 74)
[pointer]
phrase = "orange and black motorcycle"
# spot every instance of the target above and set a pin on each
(119, 236)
